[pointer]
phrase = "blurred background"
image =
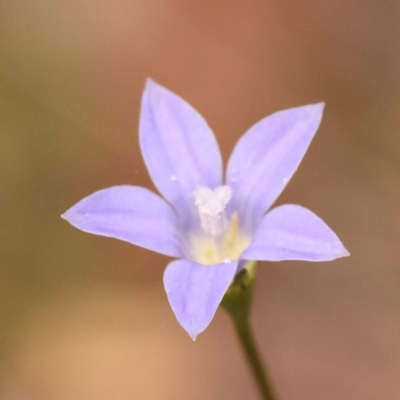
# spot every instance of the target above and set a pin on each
(85, 317)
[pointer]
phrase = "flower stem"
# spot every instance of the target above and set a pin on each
(246, 338)
(237, 302)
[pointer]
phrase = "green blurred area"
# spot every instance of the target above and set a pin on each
(84, 317)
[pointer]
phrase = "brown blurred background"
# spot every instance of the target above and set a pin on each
(84, 317)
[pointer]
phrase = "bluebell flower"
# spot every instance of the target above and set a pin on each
(211, 225)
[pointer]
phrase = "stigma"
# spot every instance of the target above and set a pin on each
(211, 206)
(220, 239)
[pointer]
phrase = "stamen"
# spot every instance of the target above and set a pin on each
(211, 206)
(232, 232)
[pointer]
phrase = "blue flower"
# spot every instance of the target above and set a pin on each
(211, 227)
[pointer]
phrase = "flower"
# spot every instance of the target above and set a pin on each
(207, 225)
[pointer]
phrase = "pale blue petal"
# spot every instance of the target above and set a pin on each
(129, 213)
(292, 232)
(195, 291)
(179, 148)
(266, 157)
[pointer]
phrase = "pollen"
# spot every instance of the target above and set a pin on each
(211, 207)
(227, 247)
(220, 239)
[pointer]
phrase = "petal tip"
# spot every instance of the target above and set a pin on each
(318, 108)
(66, 216)
(193, 332)
(192, 329)
(155, 93)
(74, 217)
(150, 82)
(313, 107)
(339, 251)
(152, 86)
(343, 252)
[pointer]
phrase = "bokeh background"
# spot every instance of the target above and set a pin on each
(86, 318)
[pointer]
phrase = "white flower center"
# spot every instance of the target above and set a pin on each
(211, 206)
(221, 240)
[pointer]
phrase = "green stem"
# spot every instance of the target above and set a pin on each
(249, 347)
(237, 302)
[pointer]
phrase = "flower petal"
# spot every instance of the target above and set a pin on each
(195, 291)
(292, 232)
(129, 213)
(267, 156)
(179, 148)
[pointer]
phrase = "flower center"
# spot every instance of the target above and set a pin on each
(211, 206)
(221, 240)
